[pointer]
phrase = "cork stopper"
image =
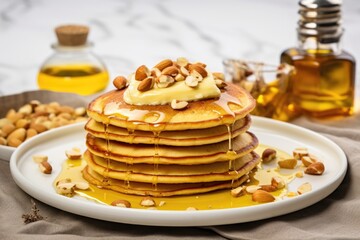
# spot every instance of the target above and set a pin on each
(72, 35)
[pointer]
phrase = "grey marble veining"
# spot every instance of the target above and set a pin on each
(130, 33)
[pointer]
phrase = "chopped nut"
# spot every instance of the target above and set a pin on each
(191, 209)
(298, 153)
(179, 78)
(316, 168)
(268, 155)
(220, 83)
(121, 203)
(66, 189)
(219, 75)
(237, 192)
(181, 61)
(38, 158)
(252, 188)
(277, 182)
(165, 81)
(45, 167)
(178, 105)
(304, 188)
(191, 81)
(288, 163)
(184, 71)
(72, 154)
(82, 185)
(148, 202)
(155, 73)
(162, 203)
(299, 174)
(291, 194)
(307, 160)
(262, 196)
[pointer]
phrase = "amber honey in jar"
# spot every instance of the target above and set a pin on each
(324, 79)
(73, 67)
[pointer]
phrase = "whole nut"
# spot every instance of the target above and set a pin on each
(268, 155)
(3, 141)
(19, 134)
(316, 168)
(141, 73)
(262, 196)
(146, 84)
(198, 68)
(121, 203)
(45, 167)
(164, 64)
(8, 128)
(120, 82)
(268, 188)
(288, 163)
(170, 71)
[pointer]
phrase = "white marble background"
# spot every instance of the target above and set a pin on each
(128, 33)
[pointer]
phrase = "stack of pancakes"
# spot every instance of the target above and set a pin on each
(159, 151)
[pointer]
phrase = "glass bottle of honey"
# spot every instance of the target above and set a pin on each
(73, 67)
(324, 78)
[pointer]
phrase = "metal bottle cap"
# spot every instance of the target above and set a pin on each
(320, 19)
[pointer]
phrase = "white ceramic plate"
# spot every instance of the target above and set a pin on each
(277, 134)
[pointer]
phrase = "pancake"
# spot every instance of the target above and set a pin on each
(233, 104)
(170, 170)
(144, 153)
(192, 137)
(161, 190)
(251, 160)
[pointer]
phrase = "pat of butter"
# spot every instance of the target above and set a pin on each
(178, 91)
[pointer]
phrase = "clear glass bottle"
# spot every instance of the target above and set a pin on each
(324, 78)
(73, 67)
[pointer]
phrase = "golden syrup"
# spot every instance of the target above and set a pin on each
(323, 83)
(81, 79)
(221, 199)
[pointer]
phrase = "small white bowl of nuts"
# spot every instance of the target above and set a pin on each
(28, 114)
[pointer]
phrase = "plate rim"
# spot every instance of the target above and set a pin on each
(175, 217)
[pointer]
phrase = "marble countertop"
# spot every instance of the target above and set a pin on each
(129, 33)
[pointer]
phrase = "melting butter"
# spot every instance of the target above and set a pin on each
(178, 91)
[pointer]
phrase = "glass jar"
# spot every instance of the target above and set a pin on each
(73, 67)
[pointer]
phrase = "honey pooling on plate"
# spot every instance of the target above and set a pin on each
(73, 67)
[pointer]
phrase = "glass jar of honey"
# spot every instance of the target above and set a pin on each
(73, 67)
